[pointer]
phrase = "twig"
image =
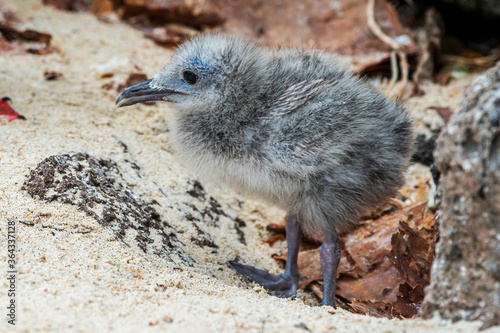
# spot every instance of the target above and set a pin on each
(394, 71)
(137, 273)
(396, 48)
(372, 24)
(403, 62)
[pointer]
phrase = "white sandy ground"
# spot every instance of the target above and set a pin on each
(89, 282)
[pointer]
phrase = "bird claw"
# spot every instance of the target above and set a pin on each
(280, 285)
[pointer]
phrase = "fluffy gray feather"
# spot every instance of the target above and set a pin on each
(289, 127)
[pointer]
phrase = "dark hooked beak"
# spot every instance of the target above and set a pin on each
(142, 92)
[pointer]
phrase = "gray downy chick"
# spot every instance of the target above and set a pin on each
(288, 127)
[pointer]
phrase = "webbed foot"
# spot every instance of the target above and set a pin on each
(280, 285)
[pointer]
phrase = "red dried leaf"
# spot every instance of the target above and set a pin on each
(7, 111)
(444, 112)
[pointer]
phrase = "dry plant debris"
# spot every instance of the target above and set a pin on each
(340, 27)
(7, 111)
(133, 78)
(385, 264)
(36, 42)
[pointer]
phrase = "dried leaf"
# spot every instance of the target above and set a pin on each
(274, 239)
(108, 86)
(279, 228)
(443, 78)
(51, 75)
(39, 42)
(101, 7)
(385, 263)
(444, 112)
(413, 247)
(12, 34)
(71, 5)
(340, 27)
(170, 35)
(7, 111)
(133, 78)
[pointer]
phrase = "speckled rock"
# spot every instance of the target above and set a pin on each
(465, 278)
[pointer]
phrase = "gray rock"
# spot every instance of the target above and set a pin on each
(465, 277)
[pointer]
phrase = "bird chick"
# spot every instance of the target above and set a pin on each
(288, 127)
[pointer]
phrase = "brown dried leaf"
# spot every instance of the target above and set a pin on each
(51, 75)
(413, 247)
(372, 308)
(108, 86)
(169, 35)
(133, 78)
(39, 42)
(101, 7)
(12, 34)
(198, 13)
(385, 264)
(71, 5)
(340, 27)
(274, 239)
(443, 78)
(279, 228)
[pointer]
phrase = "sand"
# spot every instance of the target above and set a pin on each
(71, 281)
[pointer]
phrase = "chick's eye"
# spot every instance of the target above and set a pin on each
(190, 77)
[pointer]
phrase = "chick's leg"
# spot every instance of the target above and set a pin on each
(330, 257)
(286, 284)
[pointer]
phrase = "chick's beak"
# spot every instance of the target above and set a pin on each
(142, 92)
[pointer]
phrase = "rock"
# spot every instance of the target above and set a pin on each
(96, 186)
(465, 277)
